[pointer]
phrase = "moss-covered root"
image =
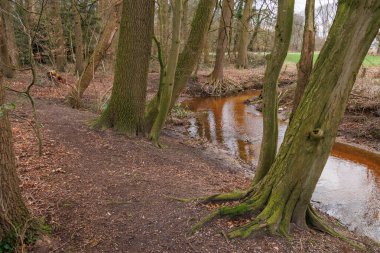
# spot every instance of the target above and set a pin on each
(316, 221)
(221, 197)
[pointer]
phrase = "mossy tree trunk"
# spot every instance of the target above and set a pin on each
(216, 76)
(276, 59)
(283, 195)
(125, 111)
(167, 74)
(6, 60)
(79, 51)
(57, 37)
(164, 27)
(187, 59)
(13, 212)
(7, 8)
(107, 36)
(242, 59)
(305, 65)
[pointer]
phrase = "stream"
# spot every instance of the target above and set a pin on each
(349, 187)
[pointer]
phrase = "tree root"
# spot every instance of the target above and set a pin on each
(222, 197)
(316, 221)
(220, 87)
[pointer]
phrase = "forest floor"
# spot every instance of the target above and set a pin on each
(103, 192)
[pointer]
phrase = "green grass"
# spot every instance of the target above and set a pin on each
(370, 60)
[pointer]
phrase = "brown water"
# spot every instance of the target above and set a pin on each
(349, 187)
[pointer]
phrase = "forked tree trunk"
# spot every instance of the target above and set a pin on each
(216, 75)
(168, 74)
(57, 36)
(242, 59)
(276, 59)
(13, 212)
(187, 59)
(5, 5)
(5, 58)
(305, 65)
(79, 52)
(125, 112)
(104, 43)
(283, 194)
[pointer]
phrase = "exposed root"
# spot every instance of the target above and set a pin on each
(222, 197)
(316, 221)
(220, 87)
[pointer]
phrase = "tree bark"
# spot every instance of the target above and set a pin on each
(187, 59)
(164, 27)
(125, 112)
(270, 90)
(184, 22)
(13, 212)
(79, 51)
(216, 75)
(6, 65)
(57, 36)
(283, 194)
(104, 43)
(7, 8)
(242, 59)
(168, 74)
(305, 65)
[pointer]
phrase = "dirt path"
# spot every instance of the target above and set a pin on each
(104, 192)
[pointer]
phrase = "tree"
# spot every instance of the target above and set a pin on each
(164, 27)
(242, 60)
(283, 194)
(187, 59)
(216, 76)
(167, 74)
(6, 60)
(6, 12)
(270, 90)
(125, 111)
(13, 212)
(57, 37)
(305, 65)
(105, 41)
(79, 53)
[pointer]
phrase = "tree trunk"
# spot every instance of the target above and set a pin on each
(79, 52)
(188, 57)
(13, 212)
(184, 22)
(5, 5)
(125, 112)
(6, 65)
(378, 45)
(164, 27)
(105, 41)
(57, 36)
(305, 65)
(216, 75)
(206, 51)
(270, 105)
(283, 194)
(242, 60)
(167, 75)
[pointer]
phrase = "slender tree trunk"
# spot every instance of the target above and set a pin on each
(168, 74)
(283, 194)
(105, 41)
(6, 6)
(206, 51)
(164, 27)
(242, 59)
(79, 52)
(125, 112)
(188, 57)
(184, 22)
(378, 45)
(6, 60)
(270, 90)
(57, 36)
(305, 65)
(13, 212)
(216, 75)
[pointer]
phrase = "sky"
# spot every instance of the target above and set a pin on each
(300, 4)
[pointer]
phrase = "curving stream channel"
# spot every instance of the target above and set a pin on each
(349, 188)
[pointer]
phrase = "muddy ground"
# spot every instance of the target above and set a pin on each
(103, 192)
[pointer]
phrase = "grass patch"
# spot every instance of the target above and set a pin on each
(369, 60)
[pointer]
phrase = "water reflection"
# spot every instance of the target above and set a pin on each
(349, 188)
